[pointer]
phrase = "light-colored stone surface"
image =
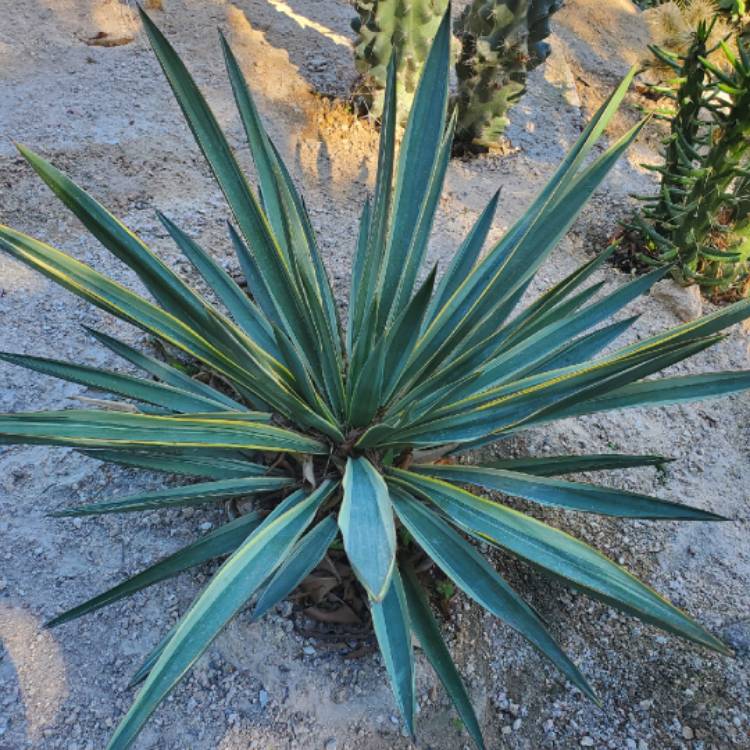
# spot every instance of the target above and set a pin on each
(105, 115)
(684, 301)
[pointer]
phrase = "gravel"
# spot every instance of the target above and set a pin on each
(105, 116)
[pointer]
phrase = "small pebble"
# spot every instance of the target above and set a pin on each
(587, 742)
(687, 732)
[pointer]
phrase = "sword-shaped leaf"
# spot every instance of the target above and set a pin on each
(476, 577)
(553, 465)
(307, 553)
(543, 237)
(505, 407)
(465, 258)
(357, 282)
(425, 627)
(546, 215)
(228, 591)
(166, 287)
(143, 670)
(252, 222)
(390, 619)
(366, 394)
(513, 362)
(110, 296)
(419, 164)
(108, 429)
(589, 498)
(178, 497)
(282, 201)
(560, 555)
(166, 396)
(367, 528)
(403, 334)
(370, 253)
(164, 372)
(544, 309)
(417, 248)
(661, 392)
(584, 348)
(241, 308)
(195, 462)
(219, 542)
(260, 148)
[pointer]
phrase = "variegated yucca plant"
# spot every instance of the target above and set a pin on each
(342, 431)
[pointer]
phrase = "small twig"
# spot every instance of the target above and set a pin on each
(103, 39)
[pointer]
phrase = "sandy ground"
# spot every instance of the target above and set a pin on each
(105, 115)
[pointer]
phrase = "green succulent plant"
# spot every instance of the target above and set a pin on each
(688, 131)
(403, 29)
(491, 68)
(538, 25)
(337, 429)
(703, 191)
(501, 40)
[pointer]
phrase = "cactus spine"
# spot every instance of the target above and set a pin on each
(385, 27)
(500, 41)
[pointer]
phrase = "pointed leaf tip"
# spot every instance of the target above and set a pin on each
(367, 526)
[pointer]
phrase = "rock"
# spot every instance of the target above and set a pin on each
(737, 635)
(285, 608)
(587, 742)
(331, 744)
(559, 75)
(684, 301)
(687, 732)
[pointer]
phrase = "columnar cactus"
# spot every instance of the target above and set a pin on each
(491, 68)
(689, 132)
(500, 41)
(538, 25)
(406, 27)
(699, 220)
(713, 191)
